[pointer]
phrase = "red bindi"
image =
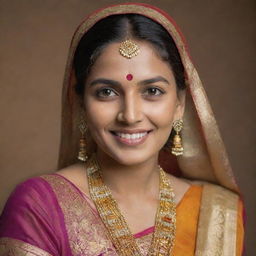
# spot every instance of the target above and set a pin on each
(129, 77)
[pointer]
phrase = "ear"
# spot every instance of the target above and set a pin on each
(180, 106)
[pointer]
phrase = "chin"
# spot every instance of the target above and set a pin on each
(132, 158)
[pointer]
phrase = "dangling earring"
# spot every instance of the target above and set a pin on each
(177, 148)
(82, 154)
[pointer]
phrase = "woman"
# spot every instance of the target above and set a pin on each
(123, 105)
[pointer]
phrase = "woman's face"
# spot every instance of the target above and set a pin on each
(131, 119)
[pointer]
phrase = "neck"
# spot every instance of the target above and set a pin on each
(139, 179)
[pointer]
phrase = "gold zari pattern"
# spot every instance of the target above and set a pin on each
(13, 247)
(119, 232)
(86, 235)
(217, 225)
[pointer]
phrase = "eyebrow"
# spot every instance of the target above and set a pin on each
(115, 83)
(154, 80)
(105, 81)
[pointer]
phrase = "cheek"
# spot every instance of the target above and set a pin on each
(99, 114)
(163, 112)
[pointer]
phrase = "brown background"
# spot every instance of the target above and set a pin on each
(35, 36)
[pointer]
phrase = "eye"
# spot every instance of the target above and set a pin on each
(153, 91)
(105, 93)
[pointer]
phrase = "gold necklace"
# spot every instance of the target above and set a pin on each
(118, 230)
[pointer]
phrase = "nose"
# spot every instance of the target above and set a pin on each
(130, 110)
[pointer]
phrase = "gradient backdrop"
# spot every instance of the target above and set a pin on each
(35, 37)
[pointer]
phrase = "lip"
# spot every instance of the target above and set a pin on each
(131, 142)
(131, 131)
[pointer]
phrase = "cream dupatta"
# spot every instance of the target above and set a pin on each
(204, 157)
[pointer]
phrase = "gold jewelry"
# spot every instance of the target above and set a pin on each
(128, 49)
(82, 154)
(177, 148)
(119, 232)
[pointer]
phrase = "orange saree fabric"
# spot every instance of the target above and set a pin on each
(187, 221)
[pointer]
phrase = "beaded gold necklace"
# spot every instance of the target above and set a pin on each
(118, 230)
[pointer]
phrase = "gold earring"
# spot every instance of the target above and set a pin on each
(82, 154)
(177, 148)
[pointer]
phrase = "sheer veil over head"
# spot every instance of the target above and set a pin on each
(204, 155)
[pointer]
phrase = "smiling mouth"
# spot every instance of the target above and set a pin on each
(131, 138)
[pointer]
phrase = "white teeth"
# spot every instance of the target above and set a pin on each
(131, 136)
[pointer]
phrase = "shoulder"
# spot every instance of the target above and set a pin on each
(216, 198)
(180, 187)
(219, 195)
(32, 215)
(76, 174)
(35, 188)
(31, 200)
(33, 194)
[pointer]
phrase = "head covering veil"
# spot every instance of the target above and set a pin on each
(204, 157)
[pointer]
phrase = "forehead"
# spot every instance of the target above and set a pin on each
(147, 63)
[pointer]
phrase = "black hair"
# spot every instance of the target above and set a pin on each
(115, 28)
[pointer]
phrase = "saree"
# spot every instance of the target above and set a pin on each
(49, 215)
